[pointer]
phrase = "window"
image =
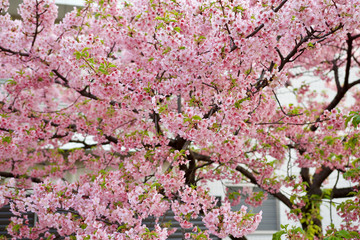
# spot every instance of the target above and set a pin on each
(270, 208)
(179, 234)
(5, 216)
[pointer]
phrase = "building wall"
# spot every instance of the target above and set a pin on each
(64, 7)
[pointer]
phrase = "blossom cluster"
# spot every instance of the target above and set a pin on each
(124, 110)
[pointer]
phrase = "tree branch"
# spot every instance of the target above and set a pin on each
(318, 179)
(305, 175)
(247, 174)
(10, 175)
(345, 192)
(255, 31)
(213, 110)
(37, 24)
(349, 42)
(252, 179)
(354, 83)
(310, 35)
(13, 52)
(156, 119)
(284, 60)
(262, 25)
(280, 6)
(335, 68)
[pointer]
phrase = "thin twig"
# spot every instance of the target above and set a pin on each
(281, 108)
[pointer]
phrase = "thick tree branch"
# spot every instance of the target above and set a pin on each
(338, 97)
(355, 36)
(111, 139)
(252, 179)
(280, 6)
(318, 179)
(201, 157)
(354, 83)
(13, 52)
(305, 176)
(320, 176)
(249, 175)
(10, 175)
(212, 110)
(335, 68)
(345, 192)
(179, 103)
(284, 60)
(156, 119)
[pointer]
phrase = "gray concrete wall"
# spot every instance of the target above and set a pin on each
(63, 9)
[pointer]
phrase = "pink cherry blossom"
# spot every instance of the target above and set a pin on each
(125, 110)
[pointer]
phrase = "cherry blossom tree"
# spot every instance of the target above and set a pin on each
(146, 101)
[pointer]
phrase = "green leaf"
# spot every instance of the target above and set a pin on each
(351, 143)
(354, 117)
(238, 9)
(344, 234)
(196, 117)
(6, 139)
(49, 237)
(83, 225)
(356, 121)
(347, 120)
(327, 193)
(160, 25)
(85, 49)
(238, 102)
(332, 238)
(11, 82)
(17, 227)
(277, 235)
(168, 49)
(138, 16)
(329, 140)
